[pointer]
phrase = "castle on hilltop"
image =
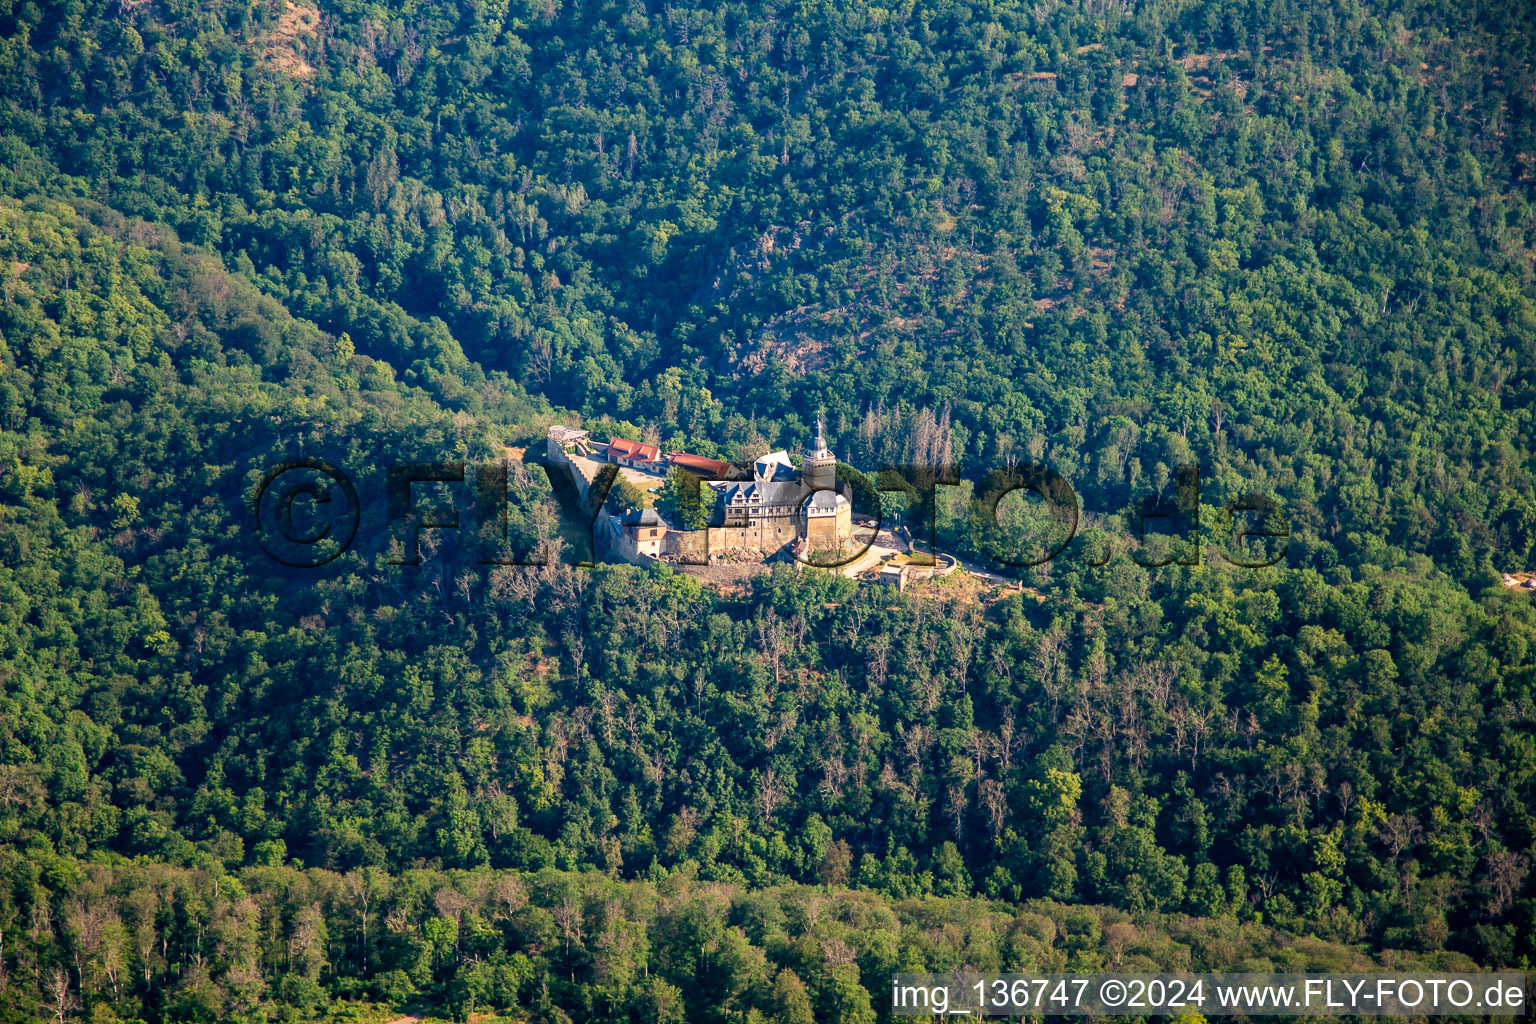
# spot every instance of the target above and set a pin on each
(765, 511)
(781, 505)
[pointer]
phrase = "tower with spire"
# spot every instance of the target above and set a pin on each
(819, 467)
(826, 516)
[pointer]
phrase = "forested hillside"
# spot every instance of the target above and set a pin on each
(1289, 243)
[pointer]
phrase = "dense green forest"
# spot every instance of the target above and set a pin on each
(1289, 243)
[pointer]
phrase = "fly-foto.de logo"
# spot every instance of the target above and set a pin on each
(306, 513)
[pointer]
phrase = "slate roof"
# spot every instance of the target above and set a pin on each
(758, 494)
(641, 517)
(826, 500)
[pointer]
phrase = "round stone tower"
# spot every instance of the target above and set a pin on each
(819, 466)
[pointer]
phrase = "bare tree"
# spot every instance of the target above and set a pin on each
(1048, 662)
(955, 804)
(1007, 734)
(568, 918)
(879, 658)
(1398, 832)
(995, 801)
(63, 1001)
(1506, 872)
(1190, 726)
(363, 886)
(771, 788)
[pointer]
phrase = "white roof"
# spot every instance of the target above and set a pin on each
(774, 466)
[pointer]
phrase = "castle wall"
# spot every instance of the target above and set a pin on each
(558, 456)
(689, 547)
(637, 552)
(766, 537)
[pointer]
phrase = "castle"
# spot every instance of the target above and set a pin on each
(772, 509)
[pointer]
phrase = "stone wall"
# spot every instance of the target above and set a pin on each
(559, 457)
(767, 537)
(829, 533)
(621, 544)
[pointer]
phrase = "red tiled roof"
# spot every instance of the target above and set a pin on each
(622, 448)
(712, 468)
